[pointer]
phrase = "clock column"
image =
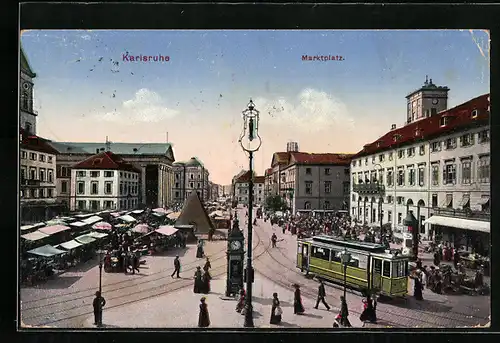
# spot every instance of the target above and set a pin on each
(235, 253)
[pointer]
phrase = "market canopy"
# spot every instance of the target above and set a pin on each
(50, 230)
(92, 220)
(102, 226)
(33, 226)
(46, 251)
(158, 214)
(460, 223)
(84, 215)
(55, 222)
(137, 211)
(34, 236)
(127, 218)
(216, 214)
(174, 215)
(160, 210)
(78, 224)
(70, 245)
(141, 228)
(97, 235)
(85, 239)
(166, 230)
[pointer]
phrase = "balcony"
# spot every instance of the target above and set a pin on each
(369, 188)
(463, 213)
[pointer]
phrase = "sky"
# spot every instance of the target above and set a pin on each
(87, 87)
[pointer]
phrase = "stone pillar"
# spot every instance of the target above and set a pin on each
(143, 184)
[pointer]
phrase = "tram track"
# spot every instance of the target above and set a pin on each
(412, 315)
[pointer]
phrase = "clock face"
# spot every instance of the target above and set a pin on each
(235, 245)
(26, 86)
(435, 101)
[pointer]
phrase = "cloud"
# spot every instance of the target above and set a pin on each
(146, 106)
(311, 110)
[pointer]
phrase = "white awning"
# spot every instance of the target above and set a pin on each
(465, 200)
(127, 218)
(78, 224)
(137, 211)
(446, 202)
(483, 201)
(460, 223)
(92, 220)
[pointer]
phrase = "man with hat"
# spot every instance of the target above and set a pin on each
(98, 304)
(321, 295)
(177, 266)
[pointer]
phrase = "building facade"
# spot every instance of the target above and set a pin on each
(242, 189)
(27, 114)
(190, 176)
(437, 165)
(37, 192)
(153, 160)
(104, 182)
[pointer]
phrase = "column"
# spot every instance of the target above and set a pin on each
(143, 184)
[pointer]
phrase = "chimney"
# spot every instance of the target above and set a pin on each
(393, 127)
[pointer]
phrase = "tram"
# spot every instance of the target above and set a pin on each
(371, 268)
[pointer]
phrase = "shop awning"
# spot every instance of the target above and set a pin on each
(137, 211)
(97, 235)
(166, 230)
(34, 236)
(173, 216)
(46, 251)
(216, 214)
(85, 239)
(102, 226)
(483, 200)
(160, 210)
(33, 226)
(50, 230)
(78, 224)
(141, 228)
(55, 222)
(92, 220)
(446, 202)
(158, 214)
(460, 223)
(465, 200)
(70, 245)
(127, 218)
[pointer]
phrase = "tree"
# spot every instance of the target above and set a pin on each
(275, 203)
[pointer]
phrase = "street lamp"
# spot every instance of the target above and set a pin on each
(250, 142)
(345, 258)
(101, 257)
(412, 224)
(379, 192)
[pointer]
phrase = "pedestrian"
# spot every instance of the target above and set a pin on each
(241, 301)
(135, 262)
(298, 308)
(276, 310)
(436, 258)
(417, 285)
(343, 316)
(456, 258)
(197, 280)
(321, 295)
(207, 266)
(125, 262)
(206, 282)
(274, 238)
(177, 266)
(98, 304)
(203, 317)
(368, 313)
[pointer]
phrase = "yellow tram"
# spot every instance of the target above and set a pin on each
(371, 268)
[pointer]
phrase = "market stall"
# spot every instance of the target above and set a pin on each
(72, 258)
(127, 218)
(103, 226)
(88, 248)
(41, 267)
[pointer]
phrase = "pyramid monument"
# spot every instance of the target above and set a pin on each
(193, 213)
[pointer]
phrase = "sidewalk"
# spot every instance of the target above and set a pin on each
(180, 310)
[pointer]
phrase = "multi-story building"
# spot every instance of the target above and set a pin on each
(27, 115)
(437, 165)
(190, 176)
(242, 192)
(310, 181)
(38, 195)
(104, 181)
(215, 191)
(154, 160)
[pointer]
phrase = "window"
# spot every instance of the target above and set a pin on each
(451, 143)
(49, 159)
(377, 266)
(81, 173)
(41, 193)
(483, 170)
(41, 158)
(401, 177)
(386, 271)
(50, 193)
(411, 152)
(108, 187)
(51, 176)
(191, 176)
(109, 173)
(327, 171)
(390, 199)
(373, 159)
(433, 111)
(435, 174)
(308, 171)
(449, 201)
(321, 253)
(390, 177)
(366, 161)
(467, 140)
(65, 172)
(399, 269)
(466, 172)
(421, 150)
(421, 175)
(390, 156)
(326, 205)
(449, 174)
(41, 174)
(401, 153)
(108, 204)
(94, 205)
(435, 146)
(328, 187)
(411, 176)
(24, 155)
(177, 194)
(400, 200)
(307, 205)
(483, 136)
(434, 200)
(191, 185)
(32, 156)
(443, 121)
(94, 187)
(32, 173)
(353, 197)
(308, 187)
(473, 114)
(381, 158)
(80, 187)
(94, 173)
(400, 218)
(64, 187)
(346, 187)
(81, 204)
(389, 216)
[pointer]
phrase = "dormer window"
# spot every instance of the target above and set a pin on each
(96, 161)
(379, 144)
(417, 132)
(474, 114)
(397, 138)
(443, 121)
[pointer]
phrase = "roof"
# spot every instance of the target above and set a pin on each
(194, 213)
(117, 148)
(46, 251)
(259, 179)
(429, 86)
(324, 158)
(32, 142)
(245, 177)
(428, 128)
(280, 158)
(34, 236)
(25, 66)
(105, 160)
(194, 162)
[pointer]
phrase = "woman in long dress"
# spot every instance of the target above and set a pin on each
(203, 318)
(206, 283)
(298, 308)
(368, 311)
(197, 280)
(275, 310)
(344, 313)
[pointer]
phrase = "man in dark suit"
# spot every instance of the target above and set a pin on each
(321, 295)
(177, 266)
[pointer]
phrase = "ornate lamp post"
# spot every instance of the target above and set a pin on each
(412, 224)
(345, 259)
(101, 257)
(250, 142)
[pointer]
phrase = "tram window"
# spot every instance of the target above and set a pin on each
(387, 269)
(336, 256)
(298, 249)
(354, 262)
(398, 269)
(358, 261)
(321, 253)
(377, 266)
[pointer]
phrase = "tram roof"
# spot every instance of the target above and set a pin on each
(372, 247)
